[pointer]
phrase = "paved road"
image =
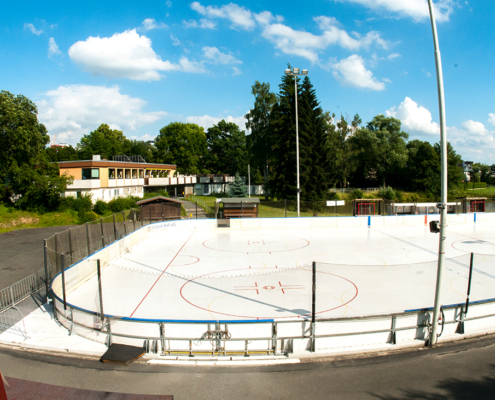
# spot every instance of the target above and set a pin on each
(21, 253)
(461, 371)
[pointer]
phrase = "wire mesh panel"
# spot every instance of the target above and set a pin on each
(108, 230)
(119, 225)
(95, 236)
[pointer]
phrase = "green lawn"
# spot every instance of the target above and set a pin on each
(11, 219)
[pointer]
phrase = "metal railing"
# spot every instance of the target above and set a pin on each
(14, 294)
(218, 334)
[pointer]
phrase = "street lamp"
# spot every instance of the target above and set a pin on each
(295, 72)
(443, 205)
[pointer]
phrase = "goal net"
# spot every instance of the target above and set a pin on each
(366, 209)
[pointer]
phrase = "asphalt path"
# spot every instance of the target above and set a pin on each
(21, 253)
(464, 370)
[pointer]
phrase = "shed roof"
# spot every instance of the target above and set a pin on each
(240, 200)
(157, 199)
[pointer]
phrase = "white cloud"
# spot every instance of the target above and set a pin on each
(125, 55)
(415, 9)
(491, 119)
(74, 110)
(236, 71)
(52, 47)
(415, 119)
(203, 24)
(33, 29)
(168, 3)
(150, 23)
(393, 56)
(207, 121)
(194, 67)
(239, 16)
(307, 45)
(351, 71)
(175, 40)
(473, 140)
(215, 56)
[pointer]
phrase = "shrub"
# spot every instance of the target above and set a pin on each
(333, 196)
(101, 207)
(83, 203)
(387, 193)
(357, 194)
(122, 203)
(87, 216)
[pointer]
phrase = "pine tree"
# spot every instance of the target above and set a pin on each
(313, 145)
(237, 188)
(282, 182)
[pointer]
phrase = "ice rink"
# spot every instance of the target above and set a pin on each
(228, 274)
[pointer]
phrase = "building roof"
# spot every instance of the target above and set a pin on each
(116, 164)
(240, 200)
(157, 199)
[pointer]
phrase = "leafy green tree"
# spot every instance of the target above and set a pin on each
(455, 172)
(59, 153)
(237, 188)
(143, 149)
(103, 141)
(484, 173)
(39, 184)
(423, 167)
(184, 145)
(341, 150)
(22, 137)
(258, 122)
(382, 146)
(226, 149)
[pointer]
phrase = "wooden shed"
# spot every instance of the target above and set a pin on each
(473, 204)
(159, 208)
(238, 207)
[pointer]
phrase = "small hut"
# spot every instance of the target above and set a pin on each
(473, 204)
(159, 208)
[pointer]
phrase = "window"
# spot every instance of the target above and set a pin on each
(120, 173)
(127, 174)
(90, 173)
(134, 174)
(111, 173)
(109, 193)
(141, 175)
(116, 192)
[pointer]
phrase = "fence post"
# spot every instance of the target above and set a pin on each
(125, 229)
(100, 291)
(134, 219)
(63, 281)
(313, 311)
(102, 235)
(45, 259)
(196, 210)
(87, 238)
(70, 248)
(114, 229)
(56, 252)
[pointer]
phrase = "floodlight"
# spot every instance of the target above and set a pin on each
(287, 71)
(296, 71)
(305, 72)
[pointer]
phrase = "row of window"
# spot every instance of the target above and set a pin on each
(120, 173)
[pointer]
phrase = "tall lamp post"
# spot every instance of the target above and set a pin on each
(443, 205)
(295, 72)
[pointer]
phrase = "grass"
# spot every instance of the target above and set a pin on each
(12, 219)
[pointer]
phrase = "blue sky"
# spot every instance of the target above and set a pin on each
(141, 65)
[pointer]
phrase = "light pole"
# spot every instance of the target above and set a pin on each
(295, 72)
(443, 205)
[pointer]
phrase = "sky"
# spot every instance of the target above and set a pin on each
(139, 66)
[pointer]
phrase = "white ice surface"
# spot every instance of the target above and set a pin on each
(230, 274)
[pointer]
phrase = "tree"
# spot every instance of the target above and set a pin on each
(103, 141)
(226, 149)
(61, 153)
(340, 147)
(314, 155)
(383, 145)
(455, 172)
(258, 121)
(143, 149)
(22, 137)
(184, 145)
(237, 188)
(39, 184)
(282, 180)
(423, 167)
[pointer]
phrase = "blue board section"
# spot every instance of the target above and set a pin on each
(369, 220)
(474, 217)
